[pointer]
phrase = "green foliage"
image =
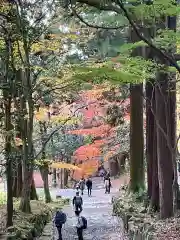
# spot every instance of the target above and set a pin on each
(123, 70)
(64, 145)
(88, 139)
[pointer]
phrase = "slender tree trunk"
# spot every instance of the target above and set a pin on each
(136, 139)
(165, 168)
(54, 178)
(154, 201)
(27, 150)
(25, 197)
(54, 172)
(44, 168)
(33, 193)
(61, 177)
(149, 137)
(17, 179)
(66, 175)
(8, 151)
(44, 173)
(151, 147)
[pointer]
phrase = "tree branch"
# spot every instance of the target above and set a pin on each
(149, 43)
(88, 24)
(98, 4)
(54, 131)
(117, 9)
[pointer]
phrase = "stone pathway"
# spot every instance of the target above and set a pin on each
(98, 211)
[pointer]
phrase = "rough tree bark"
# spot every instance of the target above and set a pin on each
(165, 168)
(27, 126)
(136, 139)
(17, 178)
(44, 168)
(33, 193)
(151, 147)
(44, 173)
(136, 128)
(66, 175)
(9, 159)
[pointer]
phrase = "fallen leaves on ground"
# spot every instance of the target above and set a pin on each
(168, 229)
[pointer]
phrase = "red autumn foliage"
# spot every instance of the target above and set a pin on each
(94, 131)
(86, 152)
(93, 124)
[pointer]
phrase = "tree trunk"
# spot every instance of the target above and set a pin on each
(27, 167)
(27, 179)
(172, 25)
(44, 173)
(136, 139)
(66, 175)
(165, 168)
(33, 193)
(61, 177)
(8, 152)
(154, 201)
(17, 179)
(54, 179)
(151, 147)
(44, 168)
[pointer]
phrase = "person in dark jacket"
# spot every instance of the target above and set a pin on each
(77, 202)
(89, 186)
(107, 181)
(59, 220)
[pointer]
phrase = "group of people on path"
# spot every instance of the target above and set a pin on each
(81, 224)
(81, 186)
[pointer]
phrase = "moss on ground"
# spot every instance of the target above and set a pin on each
(29, 226)
(142, 224)
(137, 221)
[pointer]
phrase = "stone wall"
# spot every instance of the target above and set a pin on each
(30, 226)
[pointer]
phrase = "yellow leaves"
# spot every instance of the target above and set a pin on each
(46, 45)
(63, 165)
(64, 120)
(56, 165)
(41, 115)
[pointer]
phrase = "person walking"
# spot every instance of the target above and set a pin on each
(82, 185)
(59, 219)
(77, 202)
(81, 225)
(89, 186)
(107, 182)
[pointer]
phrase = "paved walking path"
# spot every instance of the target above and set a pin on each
(98, 211)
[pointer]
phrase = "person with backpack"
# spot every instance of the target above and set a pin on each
(60, 219)
(81, 225)
(89, 186)
(77, 202)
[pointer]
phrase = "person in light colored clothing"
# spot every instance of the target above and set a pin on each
(79, 226)
(82, 184)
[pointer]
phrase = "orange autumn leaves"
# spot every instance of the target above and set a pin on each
(87, 157)
(102, 130)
